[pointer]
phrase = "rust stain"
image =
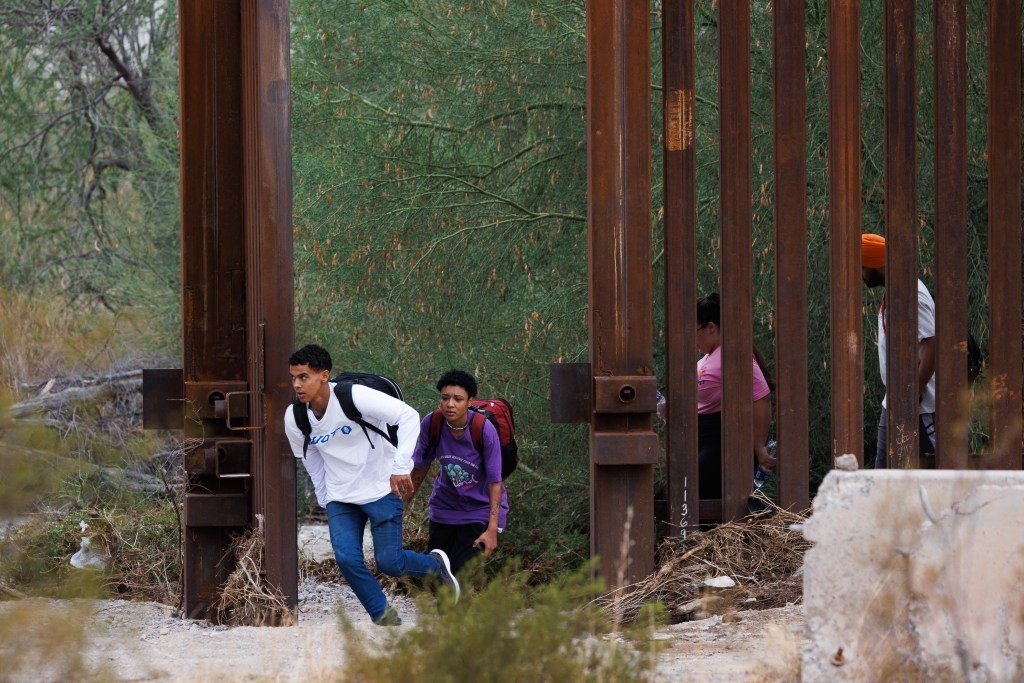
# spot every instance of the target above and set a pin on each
(673, 120)
(679, 119)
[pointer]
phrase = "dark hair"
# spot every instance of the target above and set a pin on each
(709, 310)
(458, 378)
(316, 357)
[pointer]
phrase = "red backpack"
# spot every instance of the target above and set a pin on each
(498, 412)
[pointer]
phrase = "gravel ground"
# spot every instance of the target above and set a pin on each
(138, 641)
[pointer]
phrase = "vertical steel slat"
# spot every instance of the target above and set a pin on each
(618, 213)
(846, 333)
(951, 389)
(678, 74)
(213, 256)
(902, 404)
(790, 107)
(1004, 230)
(268, 212)
(252, 226)
(737, 255)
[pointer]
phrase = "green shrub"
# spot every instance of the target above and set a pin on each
(509, 631)
(140, 541)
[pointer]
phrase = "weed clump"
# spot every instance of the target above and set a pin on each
(507, 630)
(762, 554)
(246, 599)
(140, 541)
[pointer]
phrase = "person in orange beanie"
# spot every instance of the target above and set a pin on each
(872, 248)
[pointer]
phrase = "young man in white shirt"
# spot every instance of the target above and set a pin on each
(358, 476)
(873, 274)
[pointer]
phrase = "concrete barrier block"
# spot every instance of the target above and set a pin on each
(916, 575)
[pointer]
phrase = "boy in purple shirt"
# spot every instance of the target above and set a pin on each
(469, 504)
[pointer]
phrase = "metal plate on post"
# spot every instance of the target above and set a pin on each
(217, 510)
(570, 393)
(624, 448)
(625, 394)
(162, 392)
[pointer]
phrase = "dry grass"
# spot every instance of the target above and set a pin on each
(760, 553)
(42, 337)
(145, 555)
(44, 641)
(246, 599)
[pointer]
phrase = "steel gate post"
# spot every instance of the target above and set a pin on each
(1004, 234)
(680, 171)
(790, 117)
(737, 256)
(901, 271)
(623, 445)
(236, 294)
(847, 335)
(951, 391)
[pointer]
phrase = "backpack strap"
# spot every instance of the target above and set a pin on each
(434, 431)
(343, 390)
(476, 429)
(302, 422)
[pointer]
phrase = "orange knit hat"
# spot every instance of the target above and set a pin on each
(872, 251)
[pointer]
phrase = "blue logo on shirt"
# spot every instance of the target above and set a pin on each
(324, 438)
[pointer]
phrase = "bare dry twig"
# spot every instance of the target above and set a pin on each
(246, 599)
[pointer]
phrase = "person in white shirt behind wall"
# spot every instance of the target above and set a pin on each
(873, 274)
(359, 476)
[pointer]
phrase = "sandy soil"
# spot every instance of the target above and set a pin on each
(133, 641)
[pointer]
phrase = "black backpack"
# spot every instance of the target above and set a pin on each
(343, 390)
(975, 361)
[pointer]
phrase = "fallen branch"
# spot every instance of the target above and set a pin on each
(84, 389)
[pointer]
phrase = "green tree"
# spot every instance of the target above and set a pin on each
(440, 180)
(88, 191)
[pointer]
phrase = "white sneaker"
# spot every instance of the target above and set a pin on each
(445, 570)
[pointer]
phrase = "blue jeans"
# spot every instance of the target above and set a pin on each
(346, 523)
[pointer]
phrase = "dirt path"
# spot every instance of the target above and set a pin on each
(133, 641)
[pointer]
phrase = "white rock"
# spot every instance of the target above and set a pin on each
(719, 582)
(846, 462)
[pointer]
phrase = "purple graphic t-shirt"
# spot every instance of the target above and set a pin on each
(460, 493)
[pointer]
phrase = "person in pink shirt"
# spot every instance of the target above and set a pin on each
(709, 401)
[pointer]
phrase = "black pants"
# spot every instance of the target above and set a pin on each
(456, 540)
(709, 454)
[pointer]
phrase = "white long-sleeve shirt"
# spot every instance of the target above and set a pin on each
(340, 460)
(925, 329)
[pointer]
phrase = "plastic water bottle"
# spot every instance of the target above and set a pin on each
(761, 477)
(86, 557)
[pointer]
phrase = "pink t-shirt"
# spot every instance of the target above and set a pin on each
(709, 382)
